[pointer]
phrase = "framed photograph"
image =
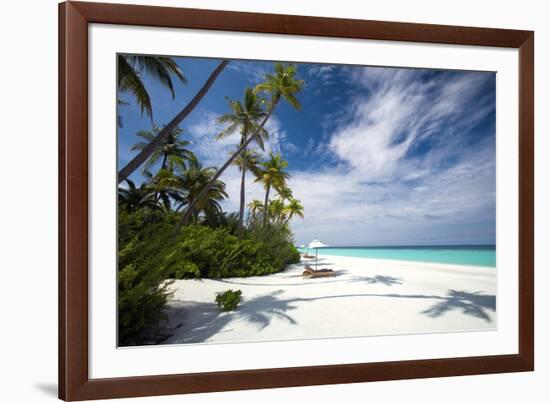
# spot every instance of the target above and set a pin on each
(259, 200)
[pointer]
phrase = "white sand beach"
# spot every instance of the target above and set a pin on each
(365, 297)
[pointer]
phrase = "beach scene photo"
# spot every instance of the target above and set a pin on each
(279, 201)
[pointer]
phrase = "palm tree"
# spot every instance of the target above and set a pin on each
(146, 152)
(172, 151)
(281, 85)
(192, 181)
(132, 68)
(276, 211)
(255, 207)
(285, 193)
(246, 161)
(272, 174)
(166, 187)
(245, 118)
(294, 208)
(133, 198)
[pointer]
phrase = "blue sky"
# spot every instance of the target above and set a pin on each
(378, 156)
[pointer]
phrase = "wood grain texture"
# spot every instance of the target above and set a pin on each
(74, 382)
(526, 261)
(73, 201)
(298, 25)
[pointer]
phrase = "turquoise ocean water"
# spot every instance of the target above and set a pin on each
(483, 256)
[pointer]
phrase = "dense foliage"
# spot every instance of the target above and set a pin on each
(171, 223)
(208, 252)
(228, 300)
(150, 254)
(142, 272)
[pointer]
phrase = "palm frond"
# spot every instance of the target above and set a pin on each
(130, 81)
(159, 68)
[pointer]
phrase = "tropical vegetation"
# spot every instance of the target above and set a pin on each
(171, 221)
(228, 300)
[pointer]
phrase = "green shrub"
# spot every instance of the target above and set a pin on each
(145, 262)
(277, 242)
(149, 255)
(293, 255)
(228, 300)
(216, 253)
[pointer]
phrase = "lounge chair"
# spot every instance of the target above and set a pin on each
(316, 273)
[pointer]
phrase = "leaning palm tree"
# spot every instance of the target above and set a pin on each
(281, 85)
(272, 174)
(244, 119)
(146, 152)
(294, 208)
(131, 69)
(192, 181)
(173, 152)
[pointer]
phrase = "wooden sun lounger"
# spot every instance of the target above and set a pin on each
(316, 273)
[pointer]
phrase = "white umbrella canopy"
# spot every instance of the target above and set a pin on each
(316, 244)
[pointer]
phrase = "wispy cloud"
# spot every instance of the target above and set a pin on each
(325, 74)
(253, 71)
(404, 165)
(386, 189)
(343, 210)
(404, 107)
(215, 151)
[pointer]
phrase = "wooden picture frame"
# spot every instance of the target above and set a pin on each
(74, 381)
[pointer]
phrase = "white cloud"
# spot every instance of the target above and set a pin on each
(343, 210)
(400, 110)
(383, 195)
(323, 74)
(210, 150)
(254, 71)
(214, 152)
(382, 191)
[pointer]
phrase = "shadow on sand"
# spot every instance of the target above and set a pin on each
(203, 320)
(378, 279)
(473, 304)
(305, 282)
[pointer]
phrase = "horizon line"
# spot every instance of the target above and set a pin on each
(407, 245)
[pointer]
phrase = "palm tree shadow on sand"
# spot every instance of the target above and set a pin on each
(203, 320)
(473, 304)
(379, 279)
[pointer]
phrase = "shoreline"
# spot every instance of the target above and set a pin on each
(416, 264)
(366, 297)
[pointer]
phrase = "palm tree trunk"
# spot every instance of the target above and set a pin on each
(146, 152)
(241, 208)
(162, 167)
(189, 210)
(266, 202)
(164, 159)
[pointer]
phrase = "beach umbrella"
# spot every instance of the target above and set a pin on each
(316, 244)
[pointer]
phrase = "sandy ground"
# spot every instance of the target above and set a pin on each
(365, 297)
